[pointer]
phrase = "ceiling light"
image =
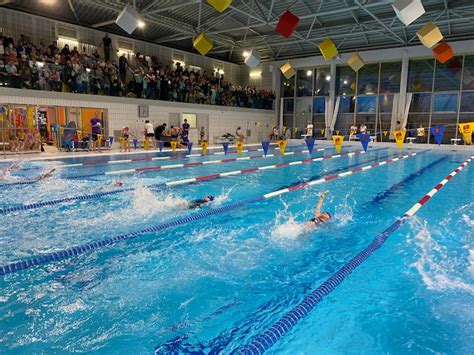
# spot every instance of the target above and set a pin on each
(328, 77)
(141, 24)
(309, 73)
(245, 54)
(48, 2)
(345, 82)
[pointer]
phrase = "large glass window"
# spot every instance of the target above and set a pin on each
(390, 76)
(420, 75)
(288, 106)
(288, 87)
(368, 79)
(304, 82)
(467, 101)
(448, 75)
(468, 73)
(421, 103)
(322, 78)
(366, 103)
(449, 121)
(345, 80)
(319, 105)
(347, 104)
(445, 102)
(303, 114)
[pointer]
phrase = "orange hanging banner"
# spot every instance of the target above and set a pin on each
(399, 138)
(466, 130)
(338, 142)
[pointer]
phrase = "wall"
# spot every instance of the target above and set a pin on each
(261, 77)
(124, 111)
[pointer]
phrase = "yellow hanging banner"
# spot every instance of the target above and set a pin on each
(337, 131)
(79, 135)
(385, 133)
(204, 147)
(466, 130)
(282, 146)
(99, 139)
(399, 138)
(122, 142)
(173, 145)
(61, 130)
(30, 117)
(338, 142)
(146, 145)
(296, 129)
(240, 147)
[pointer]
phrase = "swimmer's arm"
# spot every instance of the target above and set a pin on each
(317, 210)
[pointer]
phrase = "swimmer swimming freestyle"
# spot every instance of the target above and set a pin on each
(200, 202)
(319, 217)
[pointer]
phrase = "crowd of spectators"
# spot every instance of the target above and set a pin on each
(48, 67)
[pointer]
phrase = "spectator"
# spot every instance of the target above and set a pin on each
(96, 128)
(123, 65)
(185, 128)
(363, 128)
(202, 134)
(149, 133)
(107, 45)
(239, 134)
(420, 134)
(159, 131)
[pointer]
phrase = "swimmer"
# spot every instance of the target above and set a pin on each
(111, 186)
(44, 176)
(319, 217)
(8, 169)
(200, 202)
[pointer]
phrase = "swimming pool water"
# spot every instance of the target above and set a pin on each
(214, 284)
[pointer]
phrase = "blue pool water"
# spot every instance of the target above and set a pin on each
(214, 284)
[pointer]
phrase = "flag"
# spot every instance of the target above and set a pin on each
(399, 138)
(226, 147)
(204, 148)
(160, 145)
(265, 146)
(437, 132)
(310, 144)
(466, 131)
(173, 145)
(338, 142)
(190, 147)
(282, 146)
(240, 147)
(364, 139)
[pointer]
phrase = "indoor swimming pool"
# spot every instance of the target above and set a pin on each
(107, 257)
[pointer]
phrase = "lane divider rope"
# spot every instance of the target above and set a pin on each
(266, 340)
(187, 165)
(165, 184)
(81, 249)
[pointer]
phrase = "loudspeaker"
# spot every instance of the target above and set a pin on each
(128, 19)
(252, 60)
(408, 10)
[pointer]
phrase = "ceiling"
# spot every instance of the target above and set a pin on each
(250, 24)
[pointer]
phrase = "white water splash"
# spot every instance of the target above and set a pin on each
(434, 265)
(286, 226)
(470, 267)
(223, 197)
(145, 202)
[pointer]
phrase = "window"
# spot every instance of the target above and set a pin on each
(319, 105)
(345, 81)
(386, 103)
(445, 103)
(288, 87)
(421, 103)
(368, 80)
(366, 103)
(468, 73)
(390, 77)
(448, 75)
(322, 78)
(191, 117)
(420, 75)
(304, 82)
(467, 102)
(346, 104)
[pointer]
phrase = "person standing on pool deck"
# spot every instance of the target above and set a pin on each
(96, 130)
(319, 217)
(239, 134)
(185, 128)
(149, 133)
(159, 131)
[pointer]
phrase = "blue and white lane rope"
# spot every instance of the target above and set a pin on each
(81, 249)
(171, 183)
(266, 340)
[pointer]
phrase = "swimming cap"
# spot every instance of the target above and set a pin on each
(125, 128)
(210, 197)
(329, 215)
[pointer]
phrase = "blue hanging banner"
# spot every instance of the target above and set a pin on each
(190, 147)
(364, 139)
(265, 146)
(160, 145)
(226, 147)
(135, 143)
(111, 140)
(310, 144)
(437, 132)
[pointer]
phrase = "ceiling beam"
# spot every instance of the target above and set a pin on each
(171, 7)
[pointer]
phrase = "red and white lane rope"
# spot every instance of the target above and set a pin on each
(205, 162)
(254, 169)
(336, 176)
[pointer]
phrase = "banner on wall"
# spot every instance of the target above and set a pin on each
(173, 145)
(337, 140)
(282, 146)
(437, 132)
(265, 146)
(399, 138)
(161, 145)
(364, 139)
(466, 130)
(310, 144)
(226, 147)
(240, 147)
(190, 147)
(204, 148)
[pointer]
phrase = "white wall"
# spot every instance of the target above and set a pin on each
(124, 111)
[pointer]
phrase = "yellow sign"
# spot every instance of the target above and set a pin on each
(399, 138)
(204, 148)
(173, 145)
(240, 147)
(338, 142)
(282, 146)
(385, 133)
(122, 142)
(466, 130)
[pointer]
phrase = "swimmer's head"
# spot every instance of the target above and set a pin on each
(326, 215)
(125, 128)
(209, 198)
(119, 183)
